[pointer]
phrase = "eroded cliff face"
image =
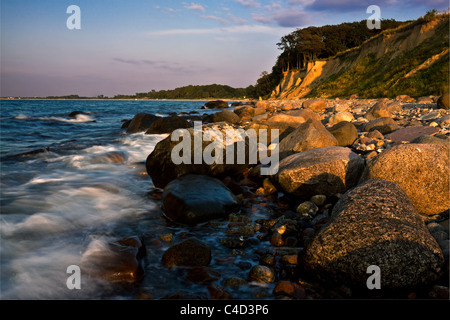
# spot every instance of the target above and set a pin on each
(425, 44)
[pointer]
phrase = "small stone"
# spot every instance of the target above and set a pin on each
(235, 282)
(167, 237)
(439, 292)
(291, 289)
(289, 259)
(319, 199)
(268, 260)
(307, 209)
(189, 252)
(269, 188)
(216, 292)
(202, 275)
(433, 124)
(277, 240)
(261, 274)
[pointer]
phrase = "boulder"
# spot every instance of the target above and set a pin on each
(408, 134)
(305, 114)
(243, 110)
(309, 135)
(224, 116)
(162, 168)
(192, 199)
(141, 122)
(217, 104)
(339, 117)
(345, 133)
(293, 121)
(421, 170)
(327, 171)
(380, 110)
(432, 139)
(443, 101)
(315, 104)
(119, 261)
(190, 252)
(375, 224)
(384, 125)
(168, 125)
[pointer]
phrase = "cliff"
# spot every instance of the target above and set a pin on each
(412, 59)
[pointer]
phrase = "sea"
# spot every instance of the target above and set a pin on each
(61, 198)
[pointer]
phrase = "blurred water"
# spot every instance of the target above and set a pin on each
(59, 203)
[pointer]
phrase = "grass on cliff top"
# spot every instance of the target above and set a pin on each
(383, 77)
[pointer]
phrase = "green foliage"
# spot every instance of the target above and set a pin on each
(213, 91)
(385, 77)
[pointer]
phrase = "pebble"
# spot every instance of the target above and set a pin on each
(261, 274)
(319, 199)
(307, 209)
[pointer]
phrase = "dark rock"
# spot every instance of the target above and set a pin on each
(375, 224)
(345, 133)
(141, 122)
(327, 171)
(74, 114)
(125, 124)
(216, 292)
(309, 135)
(192, 199)
(168, 125)
(262, 274)
(217, 104)
(190, 252)
(421, 170)
(290, 289)
(202, 274)
(443, 101)
(183, 295)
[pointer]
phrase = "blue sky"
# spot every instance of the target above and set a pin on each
(124, 47)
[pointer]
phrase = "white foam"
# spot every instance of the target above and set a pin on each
(79, 118)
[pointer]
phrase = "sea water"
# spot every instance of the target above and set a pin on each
(62, 197)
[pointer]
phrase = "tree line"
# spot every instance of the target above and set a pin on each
(309, 44)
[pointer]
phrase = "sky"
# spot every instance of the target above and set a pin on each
(131, 46)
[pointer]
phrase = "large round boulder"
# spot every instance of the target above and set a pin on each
(421, 170)
(375, 225)
(327, 171)
(172, 159)
(345, 133)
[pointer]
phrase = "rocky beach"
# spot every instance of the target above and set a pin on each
(360, 183)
